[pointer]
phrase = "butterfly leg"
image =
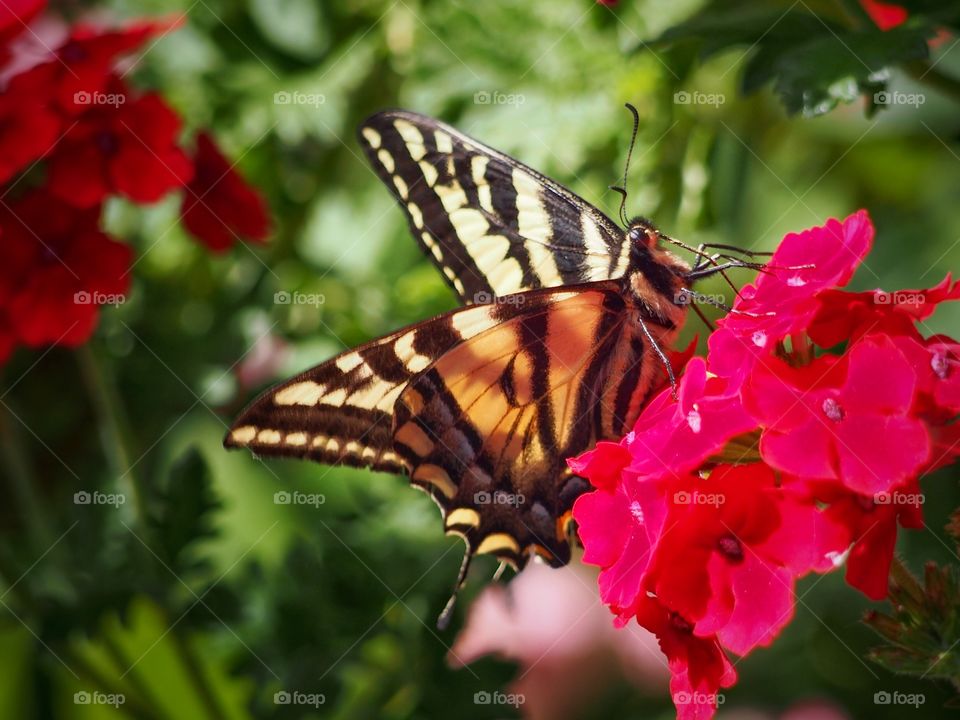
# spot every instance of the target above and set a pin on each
(444, 620)
(660, 354)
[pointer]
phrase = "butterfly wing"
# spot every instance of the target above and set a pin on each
(492, 225)
(340, 412)
(487, 428)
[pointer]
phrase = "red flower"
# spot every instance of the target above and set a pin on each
(731, 551)
(886, 15)
(219, 207)
(844, 316)
(698, 666)
(58, 269)
(15, 15)
(784, 299)
(845, 421)
(125, 146)
(29, 126)
(870, 523)
(83, 64)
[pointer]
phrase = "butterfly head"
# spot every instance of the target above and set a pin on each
(642, 232)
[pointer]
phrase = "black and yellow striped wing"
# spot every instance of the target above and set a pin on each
(480, 407)
(492, 225)
(341, 411)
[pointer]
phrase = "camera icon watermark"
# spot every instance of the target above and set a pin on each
(83, 297)
(85, 697)
(682, 497)
(282, 297)
(295, 697)
(483, 697)
(84, 97)
(899, 498)
(285, 497)
(898, 297)
(485, 298)
(683, 97)
(493, 97)
(83, 497)
(899, 698)
(699, 698)
(499, 497)
(893, 97)
(285, 97)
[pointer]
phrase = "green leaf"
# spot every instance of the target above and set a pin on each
(182, 510)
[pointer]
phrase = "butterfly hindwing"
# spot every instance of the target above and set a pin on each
(341, 411)
(492, 225)
(487, 428)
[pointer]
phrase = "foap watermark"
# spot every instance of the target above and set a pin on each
(86, 697)
(898, 297)
(699, 698)
(83, 97)
(83, 497)
(688, 297)
(83, 297)
(899, 698)
(284, 97)
(499, 497)
(494, 97)
(498, 698)
(295, 697)
(485, 298)
(899, 498)
(894, 97)
(284, 497)
(282, 297)
(696, 97)
(682, 497)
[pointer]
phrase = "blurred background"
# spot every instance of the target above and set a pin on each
(223, 601)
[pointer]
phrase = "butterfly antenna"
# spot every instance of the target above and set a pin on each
(622, 187)
(444, 620)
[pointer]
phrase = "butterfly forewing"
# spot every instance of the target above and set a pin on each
(492, 225)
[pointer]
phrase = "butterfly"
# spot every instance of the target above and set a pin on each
(560, 343)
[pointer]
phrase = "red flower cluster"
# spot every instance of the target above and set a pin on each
(699, 535)
(96, 137)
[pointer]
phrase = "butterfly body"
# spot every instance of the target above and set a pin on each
(559, 346)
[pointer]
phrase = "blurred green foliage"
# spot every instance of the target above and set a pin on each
(202, 597)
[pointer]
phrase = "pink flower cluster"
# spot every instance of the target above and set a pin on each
(777, 459)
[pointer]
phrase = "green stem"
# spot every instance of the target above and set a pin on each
(114, 437)
(198, 676)
(24, 483)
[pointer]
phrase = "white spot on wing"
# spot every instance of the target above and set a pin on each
(412, 137)
(301, 393)
(372, 137)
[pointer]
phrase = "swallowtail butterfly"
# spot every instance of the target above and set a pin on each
(559, 345)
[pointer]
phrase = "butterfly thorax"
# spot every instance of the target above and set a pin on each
(656, 278)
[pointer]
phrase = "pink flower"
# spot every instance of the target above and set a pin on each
(619, 523)
(674, 437)
(548, 621)
(783, 300)
(845, 421)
